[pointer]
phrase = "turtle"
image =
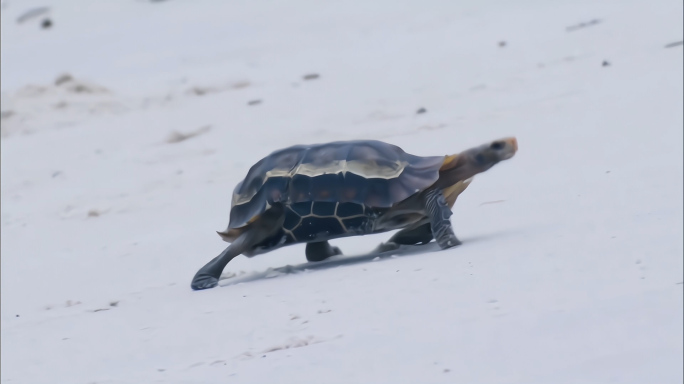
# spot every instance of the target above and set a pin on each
(315, 193)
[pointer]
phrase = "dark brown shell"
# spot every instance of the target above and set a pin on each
(367, 172)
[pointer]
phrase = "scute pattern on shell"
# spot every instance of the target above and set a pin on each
(368, 172)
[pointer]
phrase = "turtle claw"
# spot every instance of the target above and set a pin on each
(203, 281)
(448, 241)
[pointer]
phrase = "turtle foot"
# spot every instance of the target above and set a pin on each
(320, 251)
(448, 241)
(203, 281)
(386, 247)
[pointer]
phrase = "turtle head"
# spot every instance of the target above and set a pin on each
(476, 160)
(488, 155)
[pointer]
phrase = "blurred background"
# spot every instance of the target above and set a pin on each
(126, 125)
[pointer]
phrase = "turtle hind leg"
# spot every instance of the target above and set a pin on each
(320, 250)
(438, 212)
(421, 234)
(270, 221)
(208, 276)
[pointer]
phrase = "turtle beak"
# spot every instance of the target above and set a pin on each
(513, 142)
(512, 146)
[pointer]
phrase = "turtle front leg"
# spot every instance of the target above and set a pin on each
(438, 212)
(320, 250)
(421, 234)
(208, 276)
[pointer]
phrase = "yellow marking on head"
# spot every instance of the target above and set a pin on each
(449, 162)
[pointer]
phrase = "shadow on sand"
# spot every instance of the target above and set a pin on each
(337, 261)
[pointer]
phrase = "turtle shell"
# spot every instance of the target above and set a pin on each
(368, 172)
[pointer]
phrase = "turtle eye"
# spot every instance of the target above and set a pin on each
(497, 145)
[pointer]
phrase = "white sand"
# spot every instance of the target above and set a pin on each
(573, 276)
